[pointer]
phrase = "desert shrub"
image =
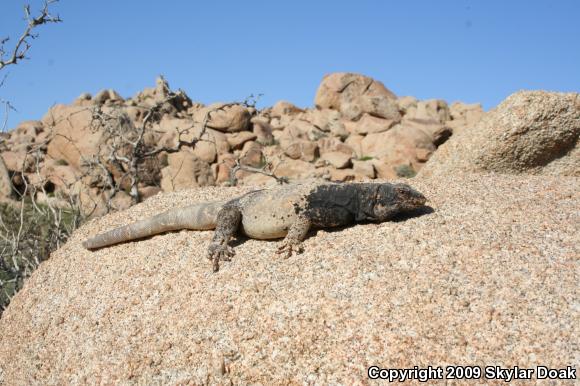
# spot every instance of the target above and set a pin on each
(29, 232)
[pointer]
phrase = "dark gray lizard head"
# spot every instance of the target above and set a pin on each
(387, 200)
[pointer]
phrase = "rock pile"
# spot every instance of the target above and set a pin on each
(357, 130)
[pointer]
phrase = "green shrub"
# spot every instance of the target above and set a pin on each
(405, 171)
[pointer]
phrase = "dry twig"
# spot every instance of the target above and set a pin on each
(20, 49)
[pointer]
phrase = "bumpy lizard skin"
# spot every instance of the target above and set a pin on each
(288, 211)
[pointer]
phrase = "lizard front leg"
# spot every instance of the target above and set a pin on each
(292, 243)
(228, 222)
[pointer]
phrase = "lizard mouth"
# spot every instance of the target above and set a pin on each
(421, 200)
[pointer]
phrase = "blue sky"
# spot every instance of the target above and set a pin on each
(473, 51)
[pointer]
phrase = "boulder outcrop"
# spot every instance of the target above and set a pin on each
(532, 132)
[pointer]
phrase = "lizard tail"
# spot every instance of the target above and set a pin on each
(194, 217)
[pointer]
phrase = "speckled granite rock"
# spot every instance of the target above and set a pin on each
(489, 278)
(533, 132)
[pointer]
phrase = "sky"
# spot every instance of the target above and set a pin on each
(456, 50)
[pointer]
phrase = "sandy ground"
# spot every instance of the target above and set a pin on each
(489, 277)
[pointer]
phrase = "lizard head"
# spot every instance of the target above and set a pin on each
(390, 199)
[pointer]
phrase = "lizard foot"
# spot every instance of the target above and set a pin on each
(217, 253)
(287, 249)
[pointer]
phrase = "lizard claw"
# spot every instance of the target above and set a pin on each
(217, 253)
(287, 249)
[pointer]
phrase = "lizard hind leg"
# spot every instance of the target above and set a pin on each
(228, 222)
(292, 243)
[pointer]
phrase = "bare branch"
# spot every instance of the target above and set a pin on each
(239, 166)
(22, 45)
(124, 147)
(7, 108)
